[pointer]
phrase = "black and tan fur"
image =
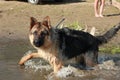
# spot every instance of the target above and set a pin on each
(57, 45)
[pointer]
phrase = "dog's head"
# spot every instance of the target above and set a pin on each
(39, 31)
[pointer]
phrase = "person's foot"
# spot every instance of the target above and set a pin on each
(101, 16)
(96, 15)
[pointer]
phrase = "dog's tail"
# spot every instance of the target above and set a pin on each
(108, 35)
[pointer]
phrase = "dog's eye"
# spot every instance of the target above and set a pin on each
(35, 33)
(42, 34)
(45, 32)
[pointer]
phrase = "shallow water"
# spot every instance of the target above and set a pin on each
(37, 69)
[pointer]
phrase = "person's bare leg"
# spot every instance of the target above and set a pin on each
(101, 8)
(96, 4)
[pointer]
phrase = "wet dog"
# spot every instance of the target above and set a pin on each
(58, 45)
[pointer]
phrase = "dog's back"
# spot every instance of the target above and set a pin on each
(72, 43)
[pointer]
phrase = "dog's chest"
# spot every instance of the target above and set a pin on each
(48, 54)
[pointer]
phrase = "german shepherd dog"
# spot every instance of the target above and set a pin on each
(58, 45)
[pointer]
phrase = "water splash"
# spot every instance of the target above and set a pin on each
(69, 71)
(37, 64)
(107, 64)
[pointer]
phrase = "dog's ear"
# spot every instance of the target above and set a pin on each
(33, 21)
(46, 22)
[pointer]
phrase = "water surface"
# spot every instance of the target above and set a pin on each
(36, 69)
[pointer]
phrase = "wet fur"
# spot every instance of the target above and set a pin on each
(57, 45)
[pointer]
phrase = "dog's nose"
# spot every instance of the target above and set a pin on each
(38, 42)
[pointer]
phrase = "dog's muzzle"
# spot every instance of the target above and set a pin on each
(38, 41)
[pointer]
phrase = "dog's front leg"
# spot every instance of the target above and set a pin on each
(27, 57)
(56, 63)
(57, 66)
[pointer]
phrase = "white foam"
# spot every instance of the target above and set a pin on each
(108, 65)
(68, 71)
(37, 64)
